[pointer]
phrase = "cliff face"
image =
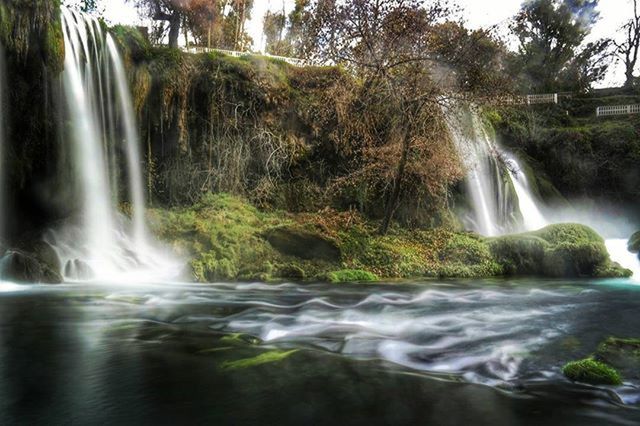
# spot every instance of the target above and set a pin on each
(31, 35)
(297, 139)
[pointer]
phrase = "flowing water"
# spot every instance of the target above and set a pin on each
(102, 125)
(494, 210)
(481, 353)
(491, 213)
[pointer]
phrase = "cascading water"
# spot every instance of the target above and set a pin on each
(532, 217)
(491, 199)
(101, 124)
(488, 165)
(131, 140)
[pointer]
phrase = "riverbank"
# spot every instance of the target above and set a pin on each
(225, 238)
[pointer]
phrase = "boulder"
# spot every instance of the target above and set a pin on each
(557, 251)
(78, 270)
(303, 244)
(622, 354)
(634, 243)
(24, 267)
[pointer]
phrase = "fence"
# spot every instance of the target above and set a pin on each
(604, 111)
(197, 49)
(547, 98)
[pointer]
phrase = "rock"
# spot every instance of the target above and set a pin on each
(557, 251)
(292, 272)
(592, 372)
(78, 270)
(25, 268)
(622, 354)
(634, 243)
(303, 244)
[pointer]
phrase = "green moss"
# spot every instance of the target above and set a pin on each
(265, 358)
(592, 372)
(622, 354)
(351, 276)
(559, 251)
(239, 339)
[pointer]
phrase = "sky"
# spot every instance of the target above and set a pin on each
(477, 14)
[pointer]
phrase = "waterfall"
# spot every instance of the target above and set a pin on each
(132, 140)
(532, 217)
(83, 85)
(492, 171)
(490, 196)
(101, 134)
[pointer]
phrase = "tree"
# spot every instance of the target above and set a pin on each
(386, 43)
(550, 33)
(274, 26)
(170, 11)
(86, 6)
(629, 48)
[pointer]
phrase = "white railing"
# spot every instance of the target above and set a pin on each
(197, 49)
(604, 111)
(547, 98)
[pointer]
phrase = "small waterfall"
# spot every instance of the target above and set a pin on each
(532, 218)
(491, 199)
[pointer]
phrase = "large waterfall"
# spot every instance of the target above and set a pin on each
(499, 193)
(100, 135)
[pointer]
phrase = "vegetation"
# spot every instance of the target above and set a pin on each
(264, 358)
(552, 55)
(614, 358)
(628, 48)
(351, 276)
(228, 239)
(563, 251)
(592, 372)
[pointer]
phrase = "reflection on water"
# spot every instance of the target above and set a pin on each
(486, 353)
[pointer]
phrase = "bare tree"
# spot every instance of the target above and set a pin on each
(629, 49)
(386, 42)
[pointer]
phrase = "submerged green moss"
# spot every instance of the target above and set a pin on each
(592, 372)
(265, 358)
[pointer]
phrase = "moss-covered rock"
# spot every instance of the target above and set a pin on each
(558, 251)
(300, 243)
(622, 354)
(634, 243)
(592, 372)
(351, 276)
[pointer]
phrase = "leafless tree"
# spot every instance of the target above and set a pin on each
(629, 48)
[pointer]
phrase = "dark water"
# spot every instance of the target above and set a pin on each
(468, 353)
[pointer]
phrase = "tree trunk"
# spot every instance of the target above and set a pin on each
(392, 201)
(174, 30)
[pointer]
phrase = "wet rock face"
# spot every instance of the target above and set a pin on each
(78, 270)
(24, 267)
(634, 243)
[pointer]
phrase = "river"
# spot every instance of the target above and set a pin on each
(436, 353)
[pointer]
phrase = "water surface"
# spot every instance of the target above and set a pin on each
(477, 353)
